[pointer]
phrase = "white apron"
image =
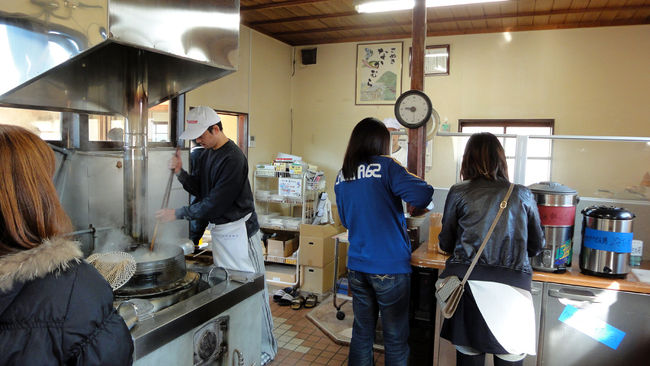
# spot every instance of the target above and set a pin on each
(509, 313)
(230, 245)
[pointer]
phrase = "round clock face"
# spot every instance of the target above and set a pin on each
(413, 109)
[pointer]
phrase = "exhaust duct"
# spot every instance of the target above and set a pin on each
(114, 57)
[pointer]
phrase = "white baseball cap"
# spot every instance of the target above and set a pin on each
(198, 120)
(392, 123)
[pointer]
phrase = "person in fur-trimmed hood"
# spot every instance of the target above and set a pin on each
(55, 309)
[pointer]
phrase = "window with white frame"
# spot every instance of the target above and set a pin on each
(539, 151)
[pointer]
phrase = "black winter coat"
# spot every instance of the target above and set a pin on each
(470, 209)
(56, 309)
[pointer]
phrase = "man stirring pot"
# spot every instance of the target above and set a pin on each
(224, 198)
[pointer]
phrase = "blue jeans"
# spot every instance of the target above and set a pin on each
(388, 294)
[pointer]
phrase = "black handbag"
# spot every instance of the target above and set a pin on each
(449, 290)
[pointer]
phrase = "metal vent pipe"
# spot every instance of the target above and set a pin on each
(135, 148)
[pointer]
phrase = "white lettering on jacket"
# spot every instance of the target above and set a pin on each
(369, 171)
(364, 171)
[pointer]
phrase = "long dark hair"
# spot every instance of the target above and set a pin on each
(370, 137)
(30, 211)
(484, 157)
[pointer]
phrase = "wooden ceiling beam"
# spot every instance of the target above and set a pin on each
(343, 28)
(279, 4)
(303, 18)
(517, 28)
(461, 19)
(492, 16)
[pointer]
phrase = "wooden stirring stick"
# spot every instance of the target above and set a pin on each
(165, 201)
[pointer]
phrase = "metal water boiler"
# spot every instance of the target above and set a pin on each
(606, 241)
(557, 211)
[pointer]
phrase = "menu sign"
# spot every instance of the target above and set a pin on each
(290, 187)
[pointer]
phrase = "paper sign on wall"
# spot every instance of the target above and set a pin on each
(290, 187)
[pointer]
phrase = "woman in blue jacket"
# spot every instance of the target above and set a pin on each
(369, 191)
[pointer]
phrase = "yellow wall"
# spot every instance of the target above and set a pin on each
(229, 123)
(592, 81)
(261, 88)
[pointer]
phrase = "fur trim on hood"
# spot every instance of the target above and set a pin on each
(56, 254)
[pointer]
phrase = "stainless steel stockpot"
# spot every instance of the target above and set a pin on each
(157, 269)
(556, 204)
(607, 234)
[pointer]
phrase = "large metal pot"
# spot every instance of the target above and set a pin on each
(606, 241)
(156, 269)
(557, 210)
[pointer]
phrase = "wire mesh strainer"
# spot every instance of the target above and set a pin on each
(116, 267)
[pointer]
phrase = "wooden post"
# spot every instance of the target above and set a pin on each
(417, 137)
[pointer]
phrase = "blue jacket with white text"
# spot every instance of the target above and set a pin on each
(370, 207)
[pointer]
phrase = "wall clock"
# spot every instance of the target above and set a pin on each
(413, 109)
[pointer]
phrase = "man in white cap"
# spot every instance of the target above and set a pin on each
(398, 152)
(224, 198)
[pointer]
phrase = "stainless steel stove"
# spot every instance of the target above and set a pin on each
(210, 327)
(162, 297)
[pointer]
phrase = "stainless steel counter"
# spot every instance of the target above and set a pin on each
(618, 306)
(178, 319)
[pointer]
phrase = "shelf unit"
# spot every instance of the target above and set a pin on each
(283, 201)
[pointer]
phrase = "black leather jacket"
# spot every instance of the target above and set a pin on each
(470, 209)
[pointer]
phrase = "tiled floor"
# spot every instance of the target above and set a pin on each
(300, 342)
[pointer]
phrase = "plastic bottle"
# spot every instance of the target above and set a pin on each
(444, 127)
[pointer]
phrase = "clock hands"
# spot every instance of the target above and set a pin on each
(416, 102)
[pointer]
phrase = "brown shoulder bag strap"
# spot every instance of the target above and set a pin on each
(502, 206)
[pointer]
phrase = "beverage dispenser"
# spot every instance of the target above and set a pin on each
(606, 241)
(557, 210)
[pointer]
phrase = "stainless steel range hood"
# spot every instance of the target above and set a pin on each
(115, 57)
(69, 55)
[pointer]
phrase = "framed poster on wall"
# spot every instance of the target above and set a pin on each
(379, 73)
(436, 60)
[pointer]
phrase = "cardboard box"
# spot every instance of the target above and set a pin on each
(317, 245)
(280, 273)
(343, 249)
(282, 246)
(335, 216)
(316, 279)
(342, 259)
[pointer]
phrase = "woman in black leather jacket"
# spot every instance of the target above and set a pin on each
(495, 314)
(55, 309)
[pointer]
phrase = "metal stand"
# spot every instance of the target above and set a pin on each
(339, 238)
(310, 188)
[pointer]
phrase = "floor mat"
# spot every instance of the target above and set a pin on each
(339, 331)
